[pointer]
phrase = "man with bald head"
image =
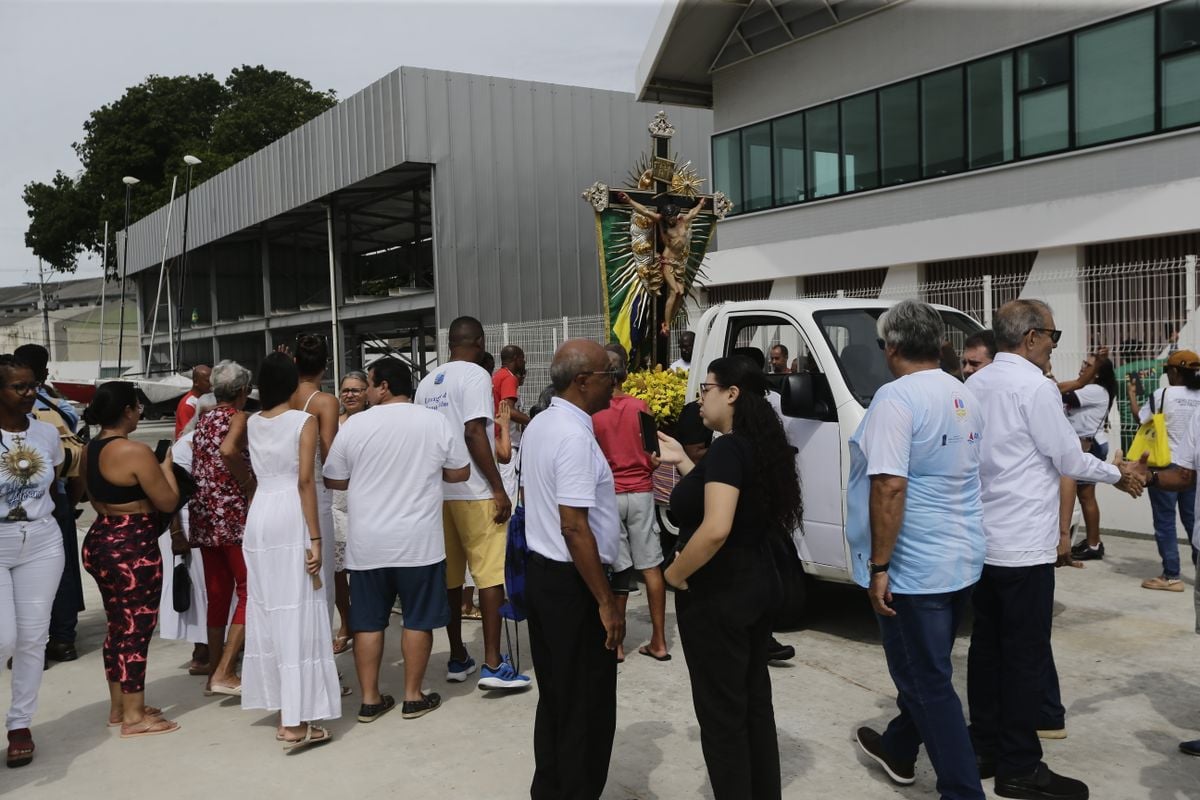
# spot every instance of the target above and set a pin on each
(475, 511)
(201, 385)
(575, 626)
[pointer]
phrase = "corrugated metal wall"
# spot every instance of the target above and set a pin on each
(514, 241)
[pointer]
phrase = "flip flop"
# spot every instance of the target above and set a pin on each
(231, 691)
(155, 728)
(149, 711)
(341, 644)
(196, 669)
(296, 745)
(644, 651)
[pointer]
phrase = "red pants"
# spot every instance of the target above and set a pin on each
(224, 570)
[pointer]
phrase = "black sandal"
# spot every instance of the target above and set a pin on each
(369, 712)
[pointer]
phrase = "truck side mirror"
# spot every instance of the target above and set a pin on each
(806, 395)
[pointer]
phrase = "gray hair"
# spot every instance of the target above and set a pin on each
(356, 374)
(566, 366)
(1015, 319)
(229, 379)
(914, 328)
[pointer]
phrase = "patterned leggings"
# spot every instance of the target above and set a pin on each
(121, 553)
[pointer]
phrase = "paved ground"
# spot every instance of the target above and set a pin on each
(1126, 657)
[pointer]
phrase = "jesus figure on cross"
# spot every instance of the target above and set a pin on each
(675, 233)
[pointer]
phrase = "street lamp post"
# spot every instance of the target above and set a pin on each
(191, 162)
(129, 182)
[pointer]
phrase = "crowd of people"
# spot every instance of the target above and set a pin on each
(395, 496)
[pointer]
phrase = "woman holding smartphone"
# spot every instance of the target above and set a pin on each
(744, 491)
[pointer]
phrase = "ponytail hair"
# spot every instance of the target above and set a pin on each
(109, 403)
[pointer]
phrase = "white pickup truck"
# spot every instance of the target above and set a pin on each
(840, 367)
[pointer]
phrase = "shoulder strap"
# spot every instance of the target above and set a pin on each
(53, 406)
(309, 400)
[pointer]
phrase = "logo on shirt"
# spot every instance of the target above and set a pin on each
(437, 379)
(960, 408)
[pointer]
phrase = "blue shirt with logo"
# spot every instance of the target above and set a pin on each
(925, 427)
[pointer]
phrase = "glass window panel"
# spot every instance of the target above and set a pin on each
(942, 123)
(1181, 90)
(1179, 26)
(1114, 80)
(822, 128)
(727, 167)
(899, 141)
(1044, 121)
(756, 166)
(788, 143)
(990, 111)
(1044, 64)
(859, 156)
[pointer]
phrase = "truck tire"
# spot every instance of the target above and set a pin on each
(668, 530)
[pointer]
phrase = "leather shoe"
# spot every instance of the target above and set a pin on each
(1042, 784)
(986, 766)
(777, 651)
(61, 651)
(1191, 748)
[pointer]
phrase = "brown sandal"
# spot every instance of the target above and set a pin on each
(150, 727)
(20, 748)
(148, 711)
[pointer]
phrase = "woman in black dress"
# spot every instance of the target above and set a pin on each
(744, 491)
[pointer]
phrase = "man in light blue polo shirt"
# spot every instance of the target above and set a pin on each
(916, 537)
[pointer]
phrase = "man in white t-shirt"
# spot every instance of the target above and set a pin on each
(475, 512)
(572, 528)
(392, 460)
(687, 340)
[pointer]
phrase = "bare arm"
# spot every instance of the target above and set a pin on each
(456, 475)
(519, 417)
(325, 409)
(503, 437)
(888, 493)
(157, 480)
(672, 452)
(1086, 375)
(481, 454)
(306, 484)
(1174, 479)
(232, 447)
(720, 503)
(695, 210)
(581, 543)
(638, 207)
(1135, 409)
(330, 483)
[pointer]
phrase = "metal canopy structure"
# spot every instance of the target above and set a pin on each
(695, 38)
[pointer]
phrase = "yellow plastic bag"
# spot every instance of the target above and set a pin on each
(1152, 438)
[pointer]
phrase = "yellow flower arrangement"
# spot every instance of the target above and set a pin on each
(664, 390)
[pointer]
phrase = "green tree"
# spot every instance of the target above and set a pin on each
(145, 133)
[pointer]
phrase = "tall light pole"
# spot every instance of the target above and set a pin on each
(191, 162)
(129, 182)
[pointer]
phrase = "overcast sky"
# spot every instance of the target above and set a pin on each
(61, 60)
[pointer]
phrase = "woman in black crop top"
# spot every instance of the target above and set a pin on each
(130, 491)
(744, 491)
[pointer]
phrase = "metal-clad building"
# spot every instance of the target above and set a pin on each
(432, 192)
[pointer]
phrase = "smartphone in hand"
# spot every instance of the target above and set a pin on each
(649, 433)
(161, 449)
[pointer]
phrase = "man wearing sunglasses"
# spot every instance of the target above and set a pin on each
(1027, 444)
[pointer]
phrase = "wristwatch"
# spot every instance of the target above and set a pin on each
(875, 569)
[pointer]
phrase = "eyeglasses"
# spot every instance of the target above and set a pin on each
(882, 344)
(611, 373)
(704, 387)
(23, 388)
(1051, 332)
(353, 391)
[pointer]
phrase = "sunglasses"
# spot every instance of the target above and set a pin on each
(1051, 332)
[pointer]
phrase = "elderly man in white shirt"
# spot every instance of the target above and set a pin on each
(1028, 445)
(572, 529)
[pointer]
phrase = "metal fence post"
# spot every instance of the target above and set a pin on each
(987, 301)
(1189, 265)
(841, 292)
(504, 340)
(565, 334)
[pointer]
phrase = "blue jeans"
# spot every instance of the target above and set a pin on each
(917, 642)
(1163, 504)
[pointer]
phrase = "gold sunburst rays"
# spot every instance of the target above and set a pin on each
(686, 182)
(21, 464)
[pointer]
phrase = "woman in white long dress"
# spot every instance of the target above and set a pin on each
(191, 625)
(288, 663)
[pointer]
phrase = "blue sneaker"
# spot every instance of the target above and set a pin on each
(457, 671)
(503, 677)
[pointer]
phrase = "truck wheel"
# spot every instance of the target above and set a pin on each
(668, 530)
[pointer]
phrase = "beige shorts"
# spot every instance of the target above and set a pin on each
(473, 540)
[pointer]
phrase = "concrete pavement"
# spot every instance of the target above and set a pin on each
(1126, 657)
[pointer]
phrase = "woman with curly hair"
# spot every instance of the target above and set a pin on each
(744, 491)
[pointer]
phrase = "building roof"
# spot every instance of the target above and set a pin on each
(693, 39)
(21, 301)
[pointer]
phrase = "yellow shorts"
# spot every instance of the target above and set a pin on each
(473, 539)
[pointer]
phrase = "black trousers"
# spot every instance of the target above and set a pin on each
(68, 600)
(577, 684)
(1008, 664)
(725, 628)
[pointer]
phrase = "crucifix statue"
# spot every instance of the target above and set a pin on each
(652, 238)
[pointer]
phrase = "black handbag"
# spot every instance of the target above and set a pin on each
(181, 586)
